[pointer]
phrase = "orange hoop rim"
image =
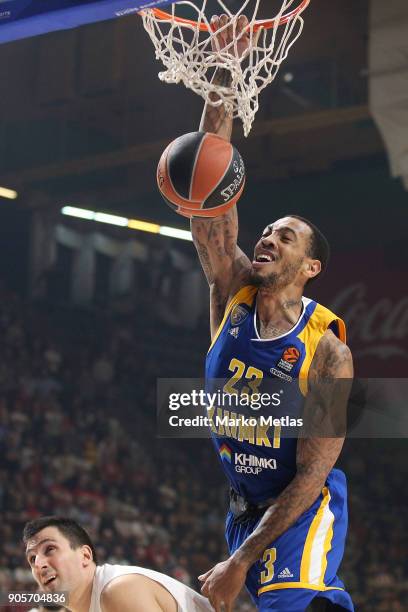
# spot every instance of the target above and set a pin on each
(261, 23)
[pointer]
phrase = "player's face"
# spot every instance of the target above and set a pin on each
(280, 254)
(54, 564)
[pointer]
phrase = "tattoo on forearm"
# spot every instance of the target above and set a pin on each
(205, 261)
(217, 119)
(298, 496)
(216, 241)
(223, 262)
(222, 77)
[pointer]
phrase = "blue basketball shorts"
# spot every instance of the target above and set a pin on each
(302, 563)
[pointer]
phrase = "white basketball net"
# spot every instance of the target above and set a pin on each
(191, 56)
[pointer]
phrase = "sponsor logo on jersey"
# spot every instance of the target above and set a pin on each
(251, 464)
(238, 315)
(225, 453)
(260, 432)
(289, 359)
(286, 573)
(281, 375)
(234, 331)
(246, 464)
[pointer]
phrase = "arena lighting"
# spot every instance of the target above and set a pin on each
(173, 232)
(144, 226)
(10, 194)
(136, 224)
(80, 213)
(111, 219)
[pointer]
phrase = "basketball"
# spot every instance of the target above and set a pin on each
(201, 175)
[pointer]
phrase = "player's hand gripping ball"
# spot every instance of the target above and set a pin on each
(201, 175)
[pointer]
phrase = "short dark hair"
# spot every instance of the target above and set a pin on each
(75, 534)
(319, 247)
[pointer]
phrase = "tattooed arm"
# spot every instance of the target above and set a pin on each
(216, 119)
(330, 379)
(225, 265)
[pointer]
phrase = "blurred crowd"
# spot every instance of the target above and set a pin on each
(77, 437)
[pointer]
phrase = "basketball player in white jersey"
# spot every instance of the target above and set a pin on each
(62, 558)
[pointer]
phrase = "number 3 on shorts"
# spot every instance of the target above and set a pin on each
(268, 559)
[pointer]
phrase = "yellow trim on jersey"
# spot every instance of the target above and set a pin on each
(311, 335)
(244, 296)
(307, 550)
(297, 585)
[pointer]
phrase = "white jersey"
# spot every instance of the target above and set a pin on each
(187, 599)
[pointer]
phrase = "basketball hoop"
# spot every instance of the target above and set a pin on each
(190, 51)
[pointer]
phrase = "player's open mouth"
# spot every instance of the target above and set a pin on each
(50, 579)
(264, 258)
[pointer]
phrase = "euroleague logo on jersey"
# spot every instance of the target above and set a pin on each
(289, 359)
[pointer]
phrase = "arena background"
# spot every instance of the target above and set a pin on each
(91, 314)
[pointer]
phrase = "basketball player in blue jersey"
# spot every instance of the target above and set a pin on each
(287, 523)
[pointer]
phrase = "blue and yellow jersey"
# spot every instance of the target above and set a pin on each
(259, 460)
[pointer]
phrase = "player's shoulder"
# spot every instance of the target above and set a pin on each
(244, 293)
(114, 586)
(122, 588)
(333, 357)
(319, 312)
(332, 344)
(319, 319)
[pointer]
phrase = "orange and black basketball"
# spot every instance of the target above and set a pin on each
(201, 175)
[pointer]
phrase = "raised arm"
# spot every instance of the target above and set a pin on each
(226, 267)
